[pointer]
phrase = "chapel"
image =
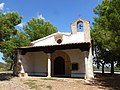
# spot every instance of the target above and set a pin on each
(62, 54)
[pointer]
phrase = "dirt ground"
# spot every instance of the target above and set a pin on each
(100, 82)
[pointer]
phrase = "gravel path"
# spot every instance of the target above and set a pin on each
(45, 84)
(8, 82)
(13, 84)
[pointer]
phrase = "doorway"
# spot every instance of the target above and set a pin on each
(59, 66)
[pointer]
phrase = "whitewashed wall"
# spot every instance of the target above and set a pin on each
(76, 56)
(27, 63)
(35, 63)
(45, 41)
(67, 39)
(73, 38)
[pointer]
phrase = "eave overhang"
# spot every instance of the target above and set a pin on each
(51, 48)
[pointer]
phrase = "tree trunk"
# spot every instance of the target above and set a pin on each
(102, 68)
(112, 66)
(11, 66)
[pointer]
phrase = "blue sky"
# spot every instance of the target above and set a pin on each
(60, 13)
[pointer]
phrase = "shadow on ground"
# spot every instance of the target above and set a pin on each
(5, 76)
(107, 81)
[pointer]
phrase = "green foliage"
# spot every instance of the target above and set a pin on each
(38, 28)
(48, 78)
(106, 31)
(10, 37)
(10, 46)
(8, 21)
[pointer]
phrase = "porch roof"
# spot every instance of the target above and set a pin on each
(51, 48)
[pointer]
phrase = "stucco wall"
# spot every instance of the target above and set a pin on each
(27, 62)
(35, 63)
(46, 41)
(73, 38)
(76, 56)
(66, 39)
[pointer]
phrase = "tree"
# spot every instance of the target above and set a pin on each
(106, 31)
(38, 28)
(8, 21)
(10, 37)
(10, 46)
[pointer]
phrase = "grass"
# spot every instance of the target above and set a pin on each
(116, 69)
(48, 78)
(31, 84)
(48, 86)
(4, 67)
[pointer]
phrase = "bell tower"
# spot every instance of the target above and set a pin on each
(86, 28)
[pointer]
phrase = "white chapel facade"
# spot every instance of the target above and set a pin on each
(59, 54)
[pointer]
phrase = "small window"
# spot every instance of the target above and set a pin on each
(74, 66)
(59, 41)
(80, 27)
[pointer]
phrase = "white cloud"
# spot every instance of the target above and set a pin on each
(20, 25)
(40, 16)
(2, 6)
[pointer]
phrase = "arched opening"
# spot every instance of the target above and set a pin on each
(59, 66)
(80, 26)
(57, 55)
